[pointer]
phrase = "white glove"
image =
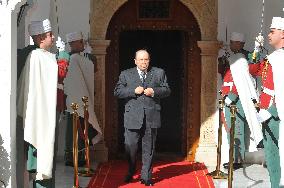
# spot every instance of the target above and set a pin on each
(88, 48)
(258, 43)
(225, 51)
(260, 40)
(256, 47)
(228, 101)
(60, 44)
(263, 115)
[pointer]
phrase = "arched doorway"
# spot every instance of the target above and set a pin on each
(166, 49)
(181, 117)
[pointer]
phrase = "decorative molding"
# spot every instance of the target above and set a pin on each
(209, 48)
(99, 46)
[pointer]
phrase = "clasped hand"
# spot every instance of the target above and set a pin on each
(148, 91)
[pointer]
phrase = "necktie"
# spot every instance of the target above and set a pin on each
(143, 76)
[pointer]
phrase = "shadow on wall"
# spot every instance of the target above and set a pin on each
(5, 168)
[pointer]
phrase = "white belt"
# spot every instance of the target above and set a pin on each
(231, 84)
(268, 91)
(60, 86)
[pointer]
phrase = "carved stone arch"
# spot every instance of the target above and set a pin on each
(205, 13)
(100, 16)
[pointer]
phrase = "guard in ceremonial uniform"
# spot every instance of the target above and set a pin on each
(230, 93)
(79, 82)
(36, 104)
(63, 61)
(238, 88)
(271, 112)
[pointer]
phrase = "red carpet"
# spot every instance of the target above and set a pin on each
(165, 175)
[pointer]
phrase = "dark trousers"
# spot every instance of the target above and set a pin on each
(148, 136)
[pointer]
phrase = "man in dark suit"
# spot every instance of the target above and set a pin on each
(142, 87)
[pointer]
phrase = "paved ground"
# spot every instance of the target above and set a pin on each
(65, 177)
(251, 176)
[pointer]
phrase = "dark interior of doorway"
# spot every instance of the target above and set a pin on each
(165, 48)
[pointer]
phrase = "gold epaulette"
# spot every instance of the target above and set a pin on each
(265, 69)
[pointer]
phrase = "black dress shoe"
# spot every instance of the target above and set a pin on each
(70, 163)
(128, 178)
(147, 183)
(264, 164)
(235, 165)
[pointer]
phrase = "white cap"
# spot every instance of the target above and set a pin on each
(235, 36)
(39, 27)
(277, 23)
(70, 37)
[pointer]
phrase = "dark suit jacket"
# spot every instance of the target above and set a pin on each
(139, 105)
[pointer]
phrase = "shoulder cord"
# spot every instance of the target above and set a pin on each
(264, 72)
